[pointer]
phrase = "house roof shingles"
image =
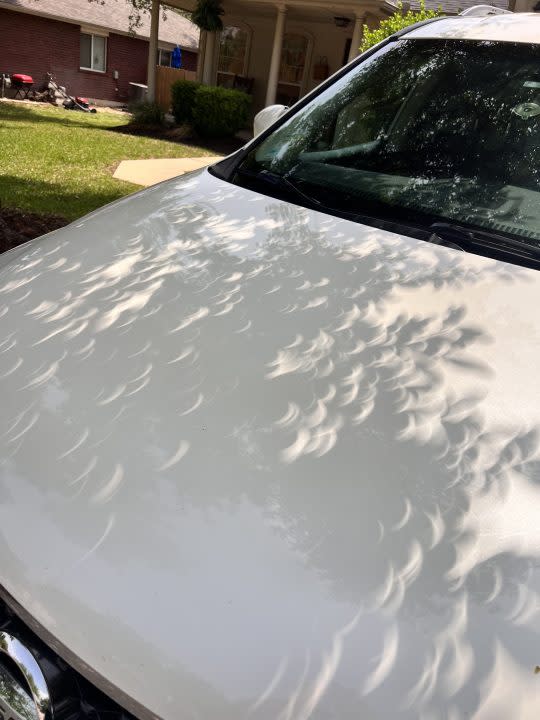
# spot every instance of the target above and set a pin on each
(112, 15)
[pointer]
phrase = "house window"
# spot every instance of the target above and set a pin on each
(164, 57)
(93, 52)
(233, 54)
(292, 68)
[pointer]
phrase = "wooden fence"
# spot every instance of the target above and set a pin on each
(165, 77)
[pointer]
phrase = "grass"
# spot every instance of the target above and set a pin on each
(61, 161)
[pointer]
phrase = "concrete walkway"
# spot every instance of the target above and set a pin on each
(150, 172)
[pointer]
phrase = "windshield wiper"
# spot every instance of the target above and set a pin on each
(453, 235)
(281, 183)
(464, 238)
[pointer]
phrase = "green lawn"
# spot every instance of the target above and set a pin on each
(61, 161)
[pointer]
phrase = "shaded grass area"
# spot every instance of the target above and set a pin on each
(61, 162)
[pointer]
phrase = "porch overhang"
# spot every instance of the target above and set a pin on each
(297, 8)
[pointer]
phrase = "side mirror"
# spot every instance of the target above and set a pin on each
(267, 117)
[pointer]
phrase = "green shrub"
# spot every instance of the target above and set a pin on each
(147, 113)
(219, 112)
(182, 100)
(394, 23)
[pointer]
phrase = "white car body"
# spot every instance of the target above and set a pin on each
(257, 461)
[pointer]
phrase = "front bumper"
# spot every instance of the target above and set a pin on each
(72, 696)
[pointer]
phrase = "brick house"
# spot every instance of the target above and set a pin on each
(88, 45)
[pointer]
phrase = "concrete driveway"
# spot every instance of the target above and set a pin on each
(150, 172)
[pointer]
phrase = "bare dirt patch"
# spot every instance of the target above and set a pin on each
(18, 226)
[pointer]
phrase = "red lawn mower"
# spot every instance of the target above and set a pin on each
(70, 102)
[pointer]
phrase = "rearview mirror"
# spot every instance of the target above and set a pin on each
(266, 117)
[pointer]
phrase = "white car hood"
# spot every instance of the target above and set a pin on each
(259, 462)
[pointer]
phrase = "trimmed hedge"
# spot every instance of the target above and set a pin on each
(213, 111)
(182, 100)
(219, 112)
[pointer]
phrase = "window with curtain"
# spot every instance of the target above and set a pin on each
(93, 52)
(292, 68)
(293, 58)
(233, 48)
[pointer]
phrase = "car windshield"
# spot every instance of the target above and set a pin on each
(422, 131)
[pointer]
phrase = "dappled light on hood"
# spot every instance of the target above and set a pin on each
(302, 432)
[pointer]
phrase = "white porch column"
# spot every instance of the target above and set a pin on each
(152, 52)
(356, 37)
(209, 52)
(275, 62)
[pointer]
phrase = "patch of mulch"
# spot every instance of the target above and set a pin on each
(220, 146)
(18, 226)
(150, 131)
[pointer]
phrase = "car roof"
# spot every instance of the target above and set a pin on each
(504, 27)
